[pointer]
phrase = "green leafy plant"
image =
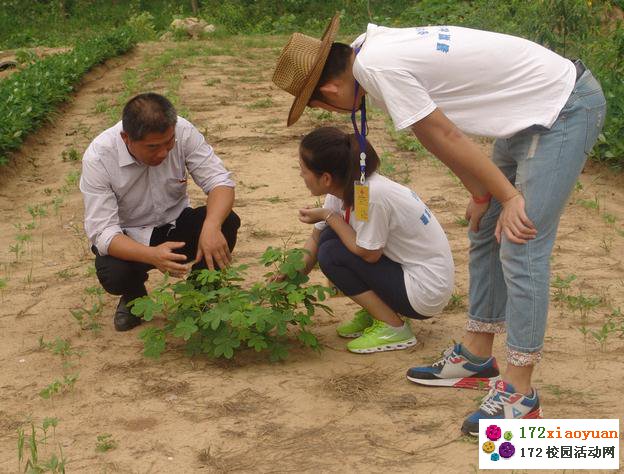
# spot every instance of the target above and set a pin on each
(216, 316)
(105, 442)
(29, 96)
(59, 386)
(88, 315)
(70, 155)
(561, 285)
(34, 464)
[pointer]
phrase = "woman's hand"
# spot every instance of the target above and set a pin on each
(312, 216)
(474, 213)
(514, 222)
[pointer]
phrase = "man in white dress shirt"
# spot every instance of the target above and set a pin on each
(137, 210)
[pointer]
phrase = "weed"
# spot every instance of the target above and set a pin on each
(105, 442)
(456, 303)
(59, 386)
(34, 464)
(583, 304)
(70, 155)
(578, 186)
(101, 106)
(274, 199)
(212, 81)
(261, 104)
(65, 274)
(59, 346)
(88, 316)
(462, 222)
(609, 218)
(589, 203)
(72, 178)
(606, 243)
(560, 285)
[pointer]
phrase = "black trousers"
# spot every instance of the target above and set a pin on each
(121, 277)
(353, 275)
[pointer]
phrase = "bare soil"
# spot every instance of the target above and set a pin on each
(327, 412)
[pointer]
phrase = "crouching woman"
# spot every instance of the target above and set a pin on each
(395, 265)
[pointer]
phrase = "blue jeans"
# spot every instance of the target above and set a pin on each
(510, 283)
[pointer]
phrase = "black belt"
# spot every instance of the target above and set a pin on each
(580, 68)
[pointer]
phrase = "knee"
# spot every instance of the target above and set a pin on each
(119, 277)
(229, 228)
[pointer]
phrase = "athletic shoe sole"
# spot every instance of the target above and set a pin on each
(475, 383)
(532, 415)
(350, 336)
(397, 346)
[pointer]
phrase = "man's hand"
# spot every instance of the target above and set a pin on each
(213, 247)
(312, 216)
(514, 222)
(166, 260)
(474, 213)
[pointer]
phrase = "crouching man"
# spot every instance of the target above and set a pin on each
(137, 210)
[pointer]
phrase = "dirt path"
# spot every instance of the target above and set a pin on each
(327, 412)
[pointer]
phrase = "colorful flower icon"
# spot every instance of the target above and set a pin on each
(508, 435)
(493, 432)
(495, 457)
(488, 447)
(506, 450)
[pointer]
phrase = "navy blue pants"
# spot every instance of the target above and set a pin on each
(121, 277)
(353, 275)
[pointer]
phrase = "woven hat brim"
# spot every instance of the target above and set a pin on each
(302, 99)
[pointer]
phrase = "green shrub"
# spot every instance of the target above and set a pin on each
(28, 97)
(215, 316)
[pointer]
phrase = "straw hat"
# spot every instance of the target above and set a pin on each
(300, 65)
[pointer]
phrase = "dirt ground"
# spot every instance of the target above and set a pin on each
(327, 412)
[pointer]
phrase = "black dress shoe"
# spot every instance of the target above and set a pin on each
(124, 320)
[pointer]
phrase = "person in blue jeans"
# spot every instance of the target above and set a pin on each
(545, 112)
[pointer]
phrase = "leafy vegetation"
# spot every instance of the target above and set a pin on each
(28, 97)
(591, 30)
(214, 315)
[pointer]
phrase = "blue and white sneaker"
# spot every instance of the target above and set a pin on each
(455, 370)
(503, 402)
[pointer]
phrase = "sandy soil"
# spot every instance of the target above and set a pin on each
(327, 412)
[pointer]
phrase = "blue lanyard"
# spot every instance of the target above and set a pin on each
(363, 125)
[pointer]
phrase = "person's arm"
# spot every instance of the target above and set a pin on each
(162, 256)
(344, 231)
(311, 245)
(209, 173)
(212, 243)
(478, 173)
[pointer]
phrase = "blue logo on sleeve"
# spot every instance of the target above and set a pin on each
(444, 39)
(426, 217)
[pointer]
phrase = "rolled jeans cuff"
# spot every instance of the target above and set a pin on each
(523, 359)
(472, 325)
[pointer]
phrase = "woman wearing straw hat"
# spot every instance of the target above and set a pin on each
(545, 112)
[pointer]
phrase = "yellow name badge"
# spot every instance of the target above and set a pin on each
(360, 200)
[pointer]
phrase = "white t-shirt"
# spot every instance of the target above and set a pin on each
(409, 234)
(488, 84)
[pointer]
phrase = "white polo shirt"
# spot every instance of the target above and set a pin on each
(123, 195)
(488, 84)
(402, 225)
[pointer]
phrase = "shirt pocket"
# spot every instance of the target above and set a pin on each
(175, 189)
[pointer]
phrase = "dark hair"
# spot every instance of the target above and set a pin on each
(330, 150)
(337, 63)
(148, 113)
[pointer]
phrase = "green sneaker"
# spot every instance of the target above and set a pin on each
(382, 337)
(356, 326)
